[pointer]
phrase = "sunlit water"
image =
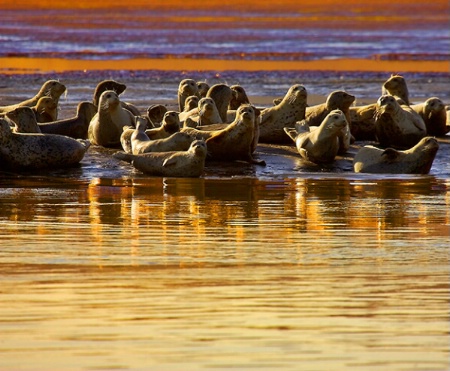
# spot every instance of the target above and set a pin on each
(170, 274)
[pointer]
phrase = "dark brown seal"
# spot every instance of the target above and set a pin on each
(222, 95)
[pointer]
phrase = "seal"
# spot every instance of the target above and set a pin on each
(51, 88)
(222, 95)
(239, 97)
(117, 87)
(434, 115)
(37, 151)
(397, 87)
(191, 103)
(186, 88)
(176, 142)
(203, 88)
(46, 110)
(397, 125)
(337, 99)
(237, 140)
(319, 145)
(75, 127)
(274, 119)
(170, 124)
(130, 131)
(24, 120)
(208, 114)
(416, 160)
(107, 125)
(190, 163)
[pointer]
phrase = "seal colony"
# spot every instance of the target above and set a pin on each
(226, 127)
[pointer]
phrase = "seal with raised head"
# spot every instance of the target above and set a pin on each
(363, 121)
(397, 125)
(434, 115)
(186, 88)
(337, 99)
(397, 87)
(208, 114)
(170, 124)
(237, 140)
(155, 114)
(416, 160)
(319, 145)
(222, 95)
(107, 125)
(239, 97)
(203, 88)
(24, 120)
(274, 119)
(75, 127)
(46, 110)
(190, 163)
(117, 87)
(130, 131)
(38, 151)
(51, 88)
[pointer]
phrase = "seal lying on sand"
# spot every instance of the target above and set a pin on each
(416, 160)
(75, 127)
(337, 99)
(190, 163)
(24, 120)
(106, 126)
(117, 87)
(274, 119)
(46, 110)
(397, 87)
(319, 145)
(434, 115)
(397, 125)
(37, 151)
(51, 88)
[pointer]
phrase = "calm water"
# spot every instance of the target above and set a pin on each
(170, 274)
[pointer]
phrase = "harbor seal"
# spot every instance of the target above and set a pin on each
(170, 124)
(130, 131)
(203, 88)
(208, 114)
(397, 87)
(237, 140)
(176, 142)
(319, 145)
(46, 110)
(337, 99)
(397, 125)
(363, 121)
(186, 88)
(190, 163)
(434, 115)
(106, 126)
(274, 119)
(51, 88)
(118, 88)
(222, 95)
(75, 127)
(38, 151)
(24, 120)
(239, 97)
(416, 160)
(155, 115)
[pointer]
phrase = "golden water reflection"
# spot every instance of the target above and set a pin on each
(174, 274)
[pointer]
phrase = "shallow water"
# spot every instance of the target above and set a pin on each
(171, 274)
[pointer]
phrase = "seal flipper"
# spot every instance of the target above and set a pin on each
(123, 156)
(291, 132)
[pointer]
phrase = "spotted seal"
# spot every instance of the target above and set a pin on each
(397, 87)
(222, 95)
(38, 151)
(46, 110)
(51, 88)
(239, 97)
(363, 121)
(170, 124)
(397, 125)
(118, 88)
(274, 119)
(75, 127)
(319, 145)
(155, 115)
(434, 115)
(203, 88)
(106, 126)
(190, 163)
(24, 120)
(416, 160)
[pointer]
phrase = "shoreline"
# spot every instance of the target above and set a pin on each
(25, 65)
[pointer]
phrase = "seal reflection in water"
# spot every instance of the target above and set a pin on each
(183, 164)
(36, 151)
(321, 144)
(416, 160)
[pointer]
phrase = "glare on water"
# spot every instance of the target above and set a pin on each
(173, 274)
